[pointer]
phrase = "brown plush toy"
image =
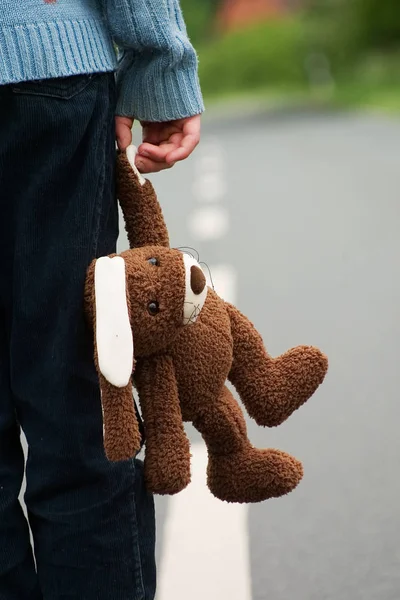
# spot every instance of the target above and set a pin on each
(154, 316)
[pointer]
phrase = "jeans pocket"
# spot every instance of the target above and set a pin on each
(62, 88)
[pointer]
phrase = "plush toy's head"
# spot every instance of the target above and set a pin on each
(144, 296)
(166, 291)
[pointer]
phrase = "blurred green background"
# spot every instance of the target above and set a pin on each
(342, 52)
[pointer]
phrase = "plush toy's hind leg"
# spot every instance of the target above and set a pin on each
(272, 388)
(167, 461)
(238, 472)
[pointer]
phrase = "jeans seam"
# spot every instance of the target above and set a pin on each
(135, 538)
(98, 209)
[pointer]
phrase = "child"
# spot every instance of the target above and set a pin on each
(92, 521)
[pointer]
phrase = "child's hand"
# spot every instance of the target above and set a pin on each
(164, 144)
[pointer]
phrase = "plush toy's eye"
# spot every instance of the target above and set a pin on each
(153, 308)
(153, 261)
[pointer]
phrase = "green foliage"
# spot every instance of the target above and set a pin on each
(268, 54)
(340, 51)
(199, 17)
(376, 23)
(348, 28)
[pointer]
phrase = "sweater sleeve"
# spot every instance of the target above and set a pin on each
(158, 74)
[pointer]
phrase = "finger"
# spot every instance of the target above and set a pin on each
(146, 165)
(158, 153)
(191, 137)
(157, 133)
(151, 133)
(186, 148)
(123, 132)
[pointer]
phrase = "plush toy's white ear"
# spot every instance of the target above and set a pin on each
(131, 152)
(113, 330)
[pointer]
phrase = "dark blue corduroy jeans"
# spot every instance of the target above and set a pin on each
(92, 521)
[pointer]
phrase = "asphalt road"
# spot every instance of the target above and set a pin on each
(303, 216)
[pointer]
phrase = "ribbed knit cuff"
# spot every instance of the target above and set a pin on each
(153, 91)
(54, 49)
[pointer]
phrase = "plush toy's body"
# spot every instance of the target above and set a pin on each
(185, 343)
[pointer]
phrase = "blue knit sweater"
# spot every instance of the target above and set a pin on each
(144, 40)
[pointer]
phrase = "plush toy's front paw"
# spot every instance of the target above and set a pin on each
(167, 473)
(253, 475)
(292, 379)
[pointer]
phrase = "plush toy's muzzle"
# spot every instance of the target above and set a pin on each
(195, 290)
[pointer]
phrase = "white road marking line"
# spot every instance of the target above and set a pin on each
(213, 161)
(211, 187)
(224, 278)
(209, 223)
(210, 182)
(210, 150)
(206, 551)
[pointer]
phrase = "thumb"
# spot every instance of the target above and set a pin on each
(123, 132)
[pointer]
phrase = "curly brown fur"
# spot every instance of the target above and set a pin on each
(143, 218)
(181, 370)
(271, 388)
(167, 464)
(122, 438)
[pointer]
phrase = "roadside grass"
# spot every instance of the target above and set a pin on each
(278, 63)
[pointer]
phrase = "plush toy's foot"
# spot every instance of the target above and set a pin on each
(165, 483)
(253, 475)
(167, 474)
(293, 379)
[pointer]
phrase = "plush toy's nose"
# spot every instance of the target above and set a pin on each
(197, 280)
(195, 290)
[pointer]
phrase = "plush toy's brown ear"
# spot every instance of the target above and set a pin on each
(115, 358)
(143, 217)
